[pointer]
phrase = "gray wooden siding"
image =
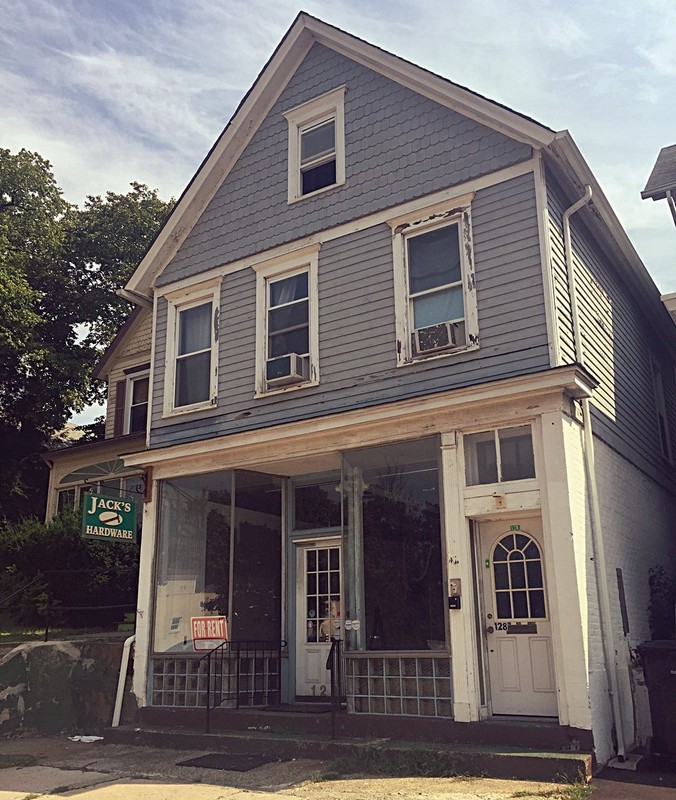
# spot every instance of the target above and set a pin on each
(399, 145)
(617, 345)
(357, 332)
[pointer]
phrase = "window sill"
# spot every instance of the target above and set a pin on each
(282, 389)
(406, 362)
(299, 198)
(195, 407)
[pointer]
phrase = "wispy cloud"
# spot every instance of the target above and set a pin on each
(128, 90)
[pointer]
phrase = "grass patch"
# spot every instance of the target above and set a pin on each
(17, 634)
(403, 764)
(570, 790)
(17, 761)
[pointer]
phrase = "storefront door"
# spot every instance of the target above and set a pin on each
(517, 620)
(318, 614)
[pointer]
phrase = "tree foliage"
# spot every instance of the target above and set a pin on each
(60, 266)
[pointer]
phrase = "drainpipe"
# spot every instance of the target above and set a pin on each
(609, 651)
(122, 679)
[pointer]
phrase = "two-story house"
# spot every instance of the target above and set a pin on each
(97, 466)
(411, 385)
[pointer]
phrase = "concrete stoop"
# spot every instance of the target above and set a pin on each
(475, 760)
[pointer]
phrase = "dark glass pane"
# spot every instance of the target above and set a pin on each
(433, 259)
(487, 463)
(520, 602)
(323, 559)
(137, 418)
(312, 607)
(504, 609)
(285, 317)
(521, 541)
(334, 553)
(500, 554)
(280, 344)
(516, 456)
(319, 177)
(139, 392)
(312, 560)
(194, 329)
(516, 555)
(334, 583)
(318, 141)
(317, 506)
(508, 542)
(501, 576)
(193, 379)
(534, 570)
(518, 575)
(532, 551)
(312, 583)
(288, 289)
(323, 583)
(537, 604)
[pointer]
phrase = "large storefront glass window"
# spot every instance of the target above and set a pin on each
(393, 566)
(211, 527)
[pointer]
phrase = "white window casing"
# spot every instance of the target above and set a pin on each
(133, 402)
(310, 130)
(446, 332)
(270, 274)
(184, 306)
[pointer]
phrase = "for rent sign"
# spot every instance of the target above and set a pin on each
(208, 632)
(109, 518)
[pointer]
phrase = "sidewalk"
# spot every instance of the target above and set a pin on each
(100, 771)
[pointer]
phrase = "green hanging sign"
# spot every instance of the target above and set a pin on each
(111, 519)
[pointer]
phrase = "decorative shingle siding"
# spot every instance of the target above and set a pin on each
(356, 326)
(398, 146)
(617, 345)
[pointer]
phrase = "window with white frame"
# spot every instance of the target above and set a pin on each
(316, 159)
(435, 296)
(503, 454)
(192, 351)
(287, 323)
(137, 402)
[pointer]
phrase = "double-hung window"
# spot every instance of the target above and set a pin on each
(435, 296)
(287, 322)
(137, 402)
(192, 349)
(316, 145)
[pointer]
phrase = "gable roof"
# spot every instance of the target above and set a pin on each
(303, 33)
(663, 177)
(121, 338)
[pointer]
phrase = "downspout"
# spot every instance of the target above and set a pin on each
(609, 652)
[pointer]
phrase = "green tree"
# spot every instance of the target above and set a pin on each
(59, 269)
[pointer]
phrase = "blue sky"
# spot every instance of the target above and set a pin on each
(112, 91)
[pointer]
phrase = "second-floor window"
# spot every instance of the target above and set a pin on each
(137, 403)
(287, 323)
(192, 341)
(435, 295)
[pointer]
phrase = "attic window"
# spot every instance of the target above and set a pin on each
(316, 151)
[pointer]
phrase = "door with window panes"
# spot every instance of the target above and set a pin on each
(517, 620)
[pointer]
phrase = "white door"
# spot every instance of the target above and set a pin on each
(517, 619)
(318, 614)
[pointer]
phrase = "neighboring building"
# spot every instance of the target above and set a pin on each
(97, 466)
(373, 386)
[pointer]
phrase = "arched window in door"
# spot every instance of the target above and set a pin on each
(518, 578)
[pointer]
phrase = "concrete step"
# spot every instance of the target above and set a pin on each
(462, 759)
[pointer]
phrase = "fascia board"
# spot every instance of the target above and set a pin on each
(222, 157)
(265, 91)
(571, 160)
(127, 330)
(436, 88)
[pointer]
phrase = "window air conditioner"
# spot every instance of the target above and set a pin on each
(286, 370)
(435, 337)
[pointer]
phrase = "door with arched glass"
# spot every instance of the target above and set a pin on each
(517, 620)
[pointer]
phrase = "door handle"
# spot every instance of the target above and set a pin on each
(490, 629)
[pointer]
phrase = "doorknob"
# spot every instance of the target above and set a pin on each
(490, 629)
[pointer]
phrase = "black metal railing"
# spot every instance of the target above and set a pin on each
(335, 666)
(243, 673)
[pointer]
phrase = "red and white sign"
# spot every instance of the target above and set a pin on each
(208, 632)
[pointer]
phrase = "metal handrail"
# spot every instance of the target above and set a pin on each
(334, 664)
(235, 651)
